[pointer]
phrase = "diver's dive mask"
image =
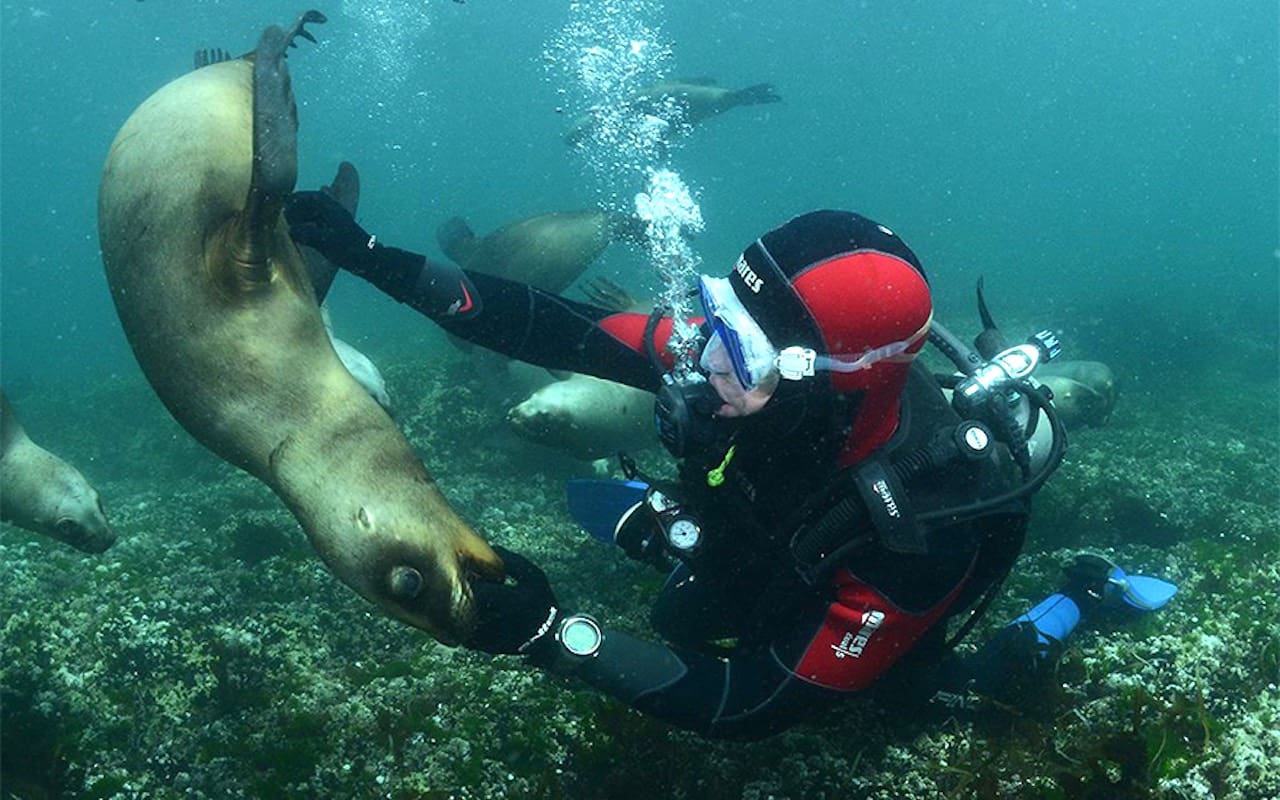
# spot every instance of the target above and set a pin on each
(735, 336)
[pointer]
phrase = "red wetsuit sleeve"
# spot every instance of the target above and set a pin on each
(551, 331)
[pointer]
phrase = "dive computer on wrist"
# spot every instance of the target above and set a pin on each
(580, 635)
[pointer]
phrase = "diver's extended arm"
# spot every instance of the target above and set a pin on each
(506, 316)
(747, 695)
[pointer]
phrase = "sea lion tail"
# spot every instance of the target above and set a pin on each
(456, 240)
(756, 95)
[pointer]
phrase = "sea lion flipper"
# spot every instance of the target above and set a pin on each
(756, 95)
(456, 240)
(211, 55)
(299, 27)
(275, 151)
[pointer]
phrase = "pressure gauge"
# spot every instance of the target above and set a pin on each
(684, 535)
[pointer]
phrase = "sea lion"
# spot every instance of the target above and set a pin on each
(587, 417)
(359, 365)
(547, 251)
(45, 494)
(222, 317)
(1084, 392)
(676, 104)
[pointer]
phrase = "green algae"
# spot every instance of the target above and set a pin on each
(209, 654)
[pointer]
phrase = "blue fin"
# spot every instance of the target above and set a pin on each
(597, 505)
(1142, 591)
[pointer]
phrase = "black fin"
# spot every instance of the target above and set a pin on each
(456, 240)
(346, 190)
(275, 147)
(211, 55)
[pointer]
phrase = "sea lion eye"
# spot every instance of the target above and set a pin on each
(364, 518)
(406, 582)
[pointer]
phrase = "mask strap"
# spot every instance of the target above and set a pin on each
(797, 362)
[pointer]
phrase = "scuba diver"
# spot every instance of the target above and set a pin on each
(833, 510)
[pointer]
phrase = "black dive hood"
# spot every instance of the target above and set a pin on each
(763, 279)
(798, 411)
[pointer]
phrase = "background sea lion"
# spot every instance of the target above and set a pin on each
(1084, 392)
(43, 493)
(548, 251)
(220, 312)
(586, 417)
(680, 103)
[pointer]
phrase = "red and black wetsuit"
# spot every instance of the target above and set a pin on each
(739, 661)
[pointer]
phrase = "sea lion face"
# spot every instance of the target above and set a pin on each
(415, 571)
(586, 417)
(1084, 392)
(79, 519)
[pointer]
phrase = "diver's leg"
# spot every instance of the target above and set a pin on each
(1012, 668)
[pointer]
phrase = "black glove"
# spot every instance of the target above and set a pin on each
(641, 537)
(318, 220)
(515, 618)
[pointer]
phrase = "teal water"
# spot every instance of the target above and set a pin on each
(1113, 170)
(1120, 160)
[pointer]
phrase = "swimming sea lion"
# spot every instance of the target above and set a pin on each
(587, 417)
(45, 494)
(222, 317)
(678, 104)
(1084, 392)
(548, 251)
